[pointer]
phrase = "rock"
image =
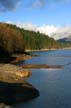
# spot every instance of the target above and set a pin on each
(20, 57)
(13, 87)
(42, 66)
(11, 93)
(12, 73)
(2, 105)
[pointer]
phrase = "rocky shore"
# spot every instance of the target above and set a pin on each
(13, 87)
(20, 57)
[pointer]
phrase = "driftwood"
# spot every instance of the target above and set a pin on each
(42, 66)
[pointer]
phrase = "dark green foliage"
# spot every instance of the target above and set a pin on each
(36, 41)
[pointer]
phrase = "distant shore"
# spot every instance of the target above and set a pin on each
(52, 49)
(41, 50)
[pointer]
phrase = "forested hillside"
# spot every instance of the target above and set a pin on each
(16, 40)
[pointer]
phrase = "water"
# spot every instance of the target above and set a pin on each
(54, 85)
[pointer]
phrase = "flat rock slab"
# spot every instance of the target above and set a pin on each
(12, 73)
(42, 66)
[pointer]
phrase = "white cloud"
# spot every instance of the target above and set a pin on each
(47, 29)
(9, 22)
(27, 26)
(62, 32)
(50, 30)
(56, 32)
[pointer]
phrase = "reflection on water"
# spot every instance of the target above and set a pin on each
(54, 84)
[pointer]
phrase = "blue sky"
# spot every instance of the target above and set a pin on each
(46, 16)
(51, 12)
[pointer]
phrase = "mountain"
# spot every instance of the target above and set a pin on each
(66, 39)
(65, 42)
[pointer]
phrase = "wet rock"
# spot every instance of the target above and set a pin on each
(13, 87)
(12, 93)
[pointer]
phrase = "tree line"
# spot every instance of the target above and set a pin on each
(16, 40)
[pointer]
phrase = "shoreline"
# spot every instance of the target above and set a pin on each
(41, 50)
(31, 92)
(21, 57)
(52, 49)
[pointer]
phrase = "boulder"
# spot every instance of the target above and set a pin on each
(13, 87)
(12, 93)
(12, 73)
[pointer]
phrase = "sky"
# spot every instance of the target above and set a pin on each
(46, 16)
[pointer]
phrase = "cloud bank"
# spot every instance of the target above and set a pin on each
(45, 29)
(55, 32)
(8, 5)
(27, 26)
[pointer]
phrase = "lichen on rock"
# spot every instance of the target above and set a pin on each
(12, 73)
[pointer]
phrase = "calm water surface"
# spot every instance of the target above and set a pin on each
(54, 85)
